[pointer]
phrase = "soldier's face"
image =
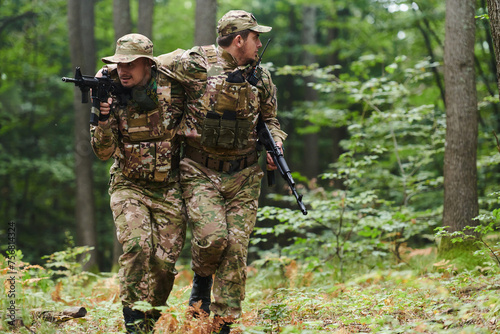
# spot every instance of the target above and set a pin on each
(249, 50)
(135, 73)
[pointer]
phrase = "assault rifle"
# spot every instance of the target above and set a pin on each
(101, 87)
(266, 139)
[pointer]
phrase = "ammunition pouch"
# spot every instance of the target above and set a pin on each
(229, 126)
(233, 96)
(225, 132)
(149, 161)
(146, 126)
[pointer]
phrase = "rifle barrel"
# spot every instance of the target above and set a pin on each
(66, 79)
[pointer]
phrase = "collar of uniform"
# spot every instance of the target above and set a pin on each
(229, 62)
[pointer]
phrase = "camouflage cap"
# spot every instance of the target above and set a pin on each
(129, 48)
(239, 20)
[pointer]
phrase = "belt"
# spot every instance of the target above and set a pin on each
(226, 166)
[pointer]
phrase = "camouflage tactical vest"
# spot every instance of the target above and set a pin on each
(147, 151)
(230, 107)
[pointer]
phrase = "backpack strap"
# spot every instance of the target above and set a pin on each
(211, 53)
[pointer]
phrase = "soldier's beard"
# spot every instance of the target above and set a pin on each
(243, 56)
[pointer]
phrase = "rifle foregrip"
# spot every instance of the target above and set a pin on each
(95, 114)
(103, 118)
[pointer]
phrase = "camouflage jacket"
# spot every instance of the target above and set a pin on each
(143, 143)
(221, 116)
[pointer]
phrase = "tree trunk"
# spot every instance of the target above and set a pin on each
(494, 14)
(82, 50)
(460, 172)
(145, 22)
(205, 22)
(122, 22)
(311, 150)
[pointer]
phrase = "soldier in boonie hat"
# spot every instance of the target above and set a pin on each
(138, 130)
(239, 20)
(134, 60)
(129, 48)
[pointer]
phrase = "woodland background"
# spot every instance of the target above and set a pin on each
(391, 107)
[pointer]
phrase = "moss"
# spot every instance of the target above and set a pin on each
(461, 254)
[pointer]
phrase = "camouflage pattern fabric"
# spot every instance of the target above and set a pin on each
(203, 82)
(129, 48)
(141, 141)
(222, 210)
(151, 226)
(239, 20)
(221, 207)
(146, 198)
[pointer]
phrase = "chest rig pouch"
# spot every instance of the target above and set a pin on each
(229, 121)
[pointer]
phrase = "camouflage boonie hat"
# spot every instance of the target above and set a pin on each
(129, 48)
(239, 20)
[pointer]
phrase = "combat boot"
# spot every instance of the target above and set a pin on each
(202, 290)
(221, 326)
(130, 316)
(151, 319)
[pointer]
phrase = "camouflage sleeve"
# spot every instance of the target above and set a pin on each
(175, 101)
(269, 106)
(104, 139)
(177, 104)
(189, 69)
(167, 64)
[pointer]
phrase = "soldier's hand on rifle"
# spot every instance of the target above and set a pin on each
(270, 162)
(105, 108)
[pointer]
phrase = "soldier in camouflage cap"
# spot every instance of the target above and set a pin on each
(146, 199)
(220, 174)
(239, 20)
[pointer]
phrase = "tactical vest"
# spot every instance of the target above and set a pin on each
(231, 107)
(148, 152)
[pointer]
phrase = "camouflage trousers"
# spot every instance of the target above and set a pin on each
(221, 209)
(150, 224)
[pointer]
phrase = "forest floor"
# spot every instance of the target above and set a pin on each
(285, 301)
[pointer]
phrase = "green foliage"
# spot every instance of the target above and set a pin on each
(35, 136)
(382, 301)
(276, 313)
(378, 76)
(385, 185)
(377, 73)
(484, 236)
(67, 262)
(297, 301)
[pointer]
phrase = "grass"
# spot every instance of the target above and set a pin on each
(436, 298)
